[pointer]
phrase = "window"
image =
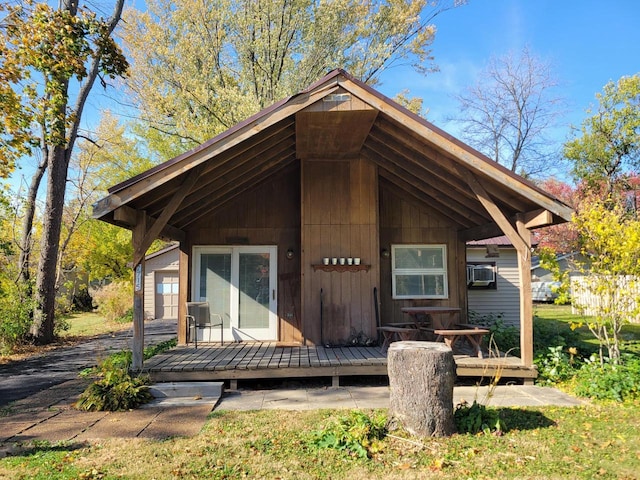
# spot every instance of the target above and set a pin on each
(481, 275)
(419, 271)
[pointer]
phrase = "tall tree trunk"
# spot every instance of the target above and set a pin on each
(26, 241)
(42, 328)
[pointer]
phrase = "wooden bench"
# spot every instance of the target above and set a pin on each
(392, 333)
(474, 335)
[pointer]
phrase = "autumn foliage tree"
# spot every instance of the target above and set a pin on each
(47, 55)
(200, 67)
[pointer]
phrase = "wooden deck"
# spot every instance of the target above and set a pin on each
(264, 360)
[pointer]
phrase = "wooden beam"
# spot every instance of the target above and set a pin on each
(495, 212)
(153, 232)
(184, 284)
(126, 216)
(538, 218)
(234, 175)
(526, 302)
(481, 232)
(442, 183)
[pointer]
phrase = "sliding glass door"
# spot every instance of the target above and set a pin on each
(240, 284)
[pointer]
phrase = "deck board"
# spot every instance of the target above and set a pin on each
(255, 360)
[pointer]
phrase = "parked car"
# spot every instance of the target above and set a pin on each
(544, 291)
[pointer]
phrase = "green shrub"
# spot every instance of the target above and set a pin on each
(114, 300)
(357, 434)
(555, 332)
(116, 390)
(505, 337)
(15, 316)
(557, 365)
(477, 418)
(609, 381)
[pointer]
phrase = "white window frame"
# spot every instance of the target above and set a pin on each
(442, 272)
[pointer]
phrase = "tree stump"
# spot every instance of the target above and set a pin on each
(421, 378)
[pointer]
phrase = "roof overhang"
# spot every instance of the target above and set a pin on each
(338, 118)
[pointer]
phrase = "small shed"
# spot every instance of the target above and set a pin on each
(335, 171)
(161, 284)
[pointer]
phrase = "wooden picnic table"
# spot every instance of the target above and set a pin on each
(447, 331)
(473, 335)
(446, 314)
(392, 332)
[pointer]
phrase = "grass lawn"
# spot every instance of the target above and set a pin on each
(91, 324)
(599, 441)
(557, 319)
(81, 326)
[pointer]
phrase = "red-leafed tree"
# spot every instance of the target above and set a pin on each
(561, 238)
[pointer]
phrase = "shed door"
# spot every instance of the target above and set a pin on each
(166, 295)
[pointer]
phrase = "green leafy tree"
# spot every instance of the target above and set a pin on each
(610, 238)
(47, 54)
(200, 67)
(607, 147)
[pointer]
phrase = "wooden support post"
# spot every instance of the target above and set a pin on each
(183, 292)
(138, 295)
(526, 302)
(520, 237)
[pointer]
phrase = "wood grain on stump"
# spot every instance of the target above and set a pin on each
(421, 378)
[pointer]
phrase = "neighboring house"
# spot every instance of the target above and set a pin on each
(338, 170)
(161, 284)
(493, 280)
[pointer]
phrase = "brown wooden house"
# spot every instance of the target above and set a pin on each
(338, 170)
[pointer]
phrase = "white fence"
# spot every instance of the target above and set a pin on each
(595, 295)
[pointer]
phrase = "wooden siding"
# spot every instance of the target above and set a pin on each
(406, 221)
(505, 299)
(266, 215)
(339, 219)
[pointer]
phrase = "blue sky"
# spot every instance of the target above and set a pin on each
(587, 42)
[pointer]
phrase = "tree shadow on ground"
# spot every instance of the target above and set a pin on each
(514, 419)
(38, 447)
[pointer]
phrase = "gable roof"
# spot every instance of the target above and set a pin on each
(336, 117)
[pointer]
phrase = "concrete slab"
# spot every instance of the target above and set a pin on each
(370, 397)
(378, 397)
(242, 401)
(186, 389)
(174, 422)
(120, 425)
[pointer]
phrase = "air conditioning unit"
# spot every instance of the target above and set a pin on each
(481, 275)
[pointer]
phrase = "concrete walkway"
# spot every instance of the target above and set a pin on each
(378, 397)
(49, 415)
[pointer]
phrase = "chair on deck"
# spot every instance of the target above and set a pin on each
(199, 317)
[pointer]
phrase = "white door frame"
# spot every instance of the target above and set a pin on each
(234, 332)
